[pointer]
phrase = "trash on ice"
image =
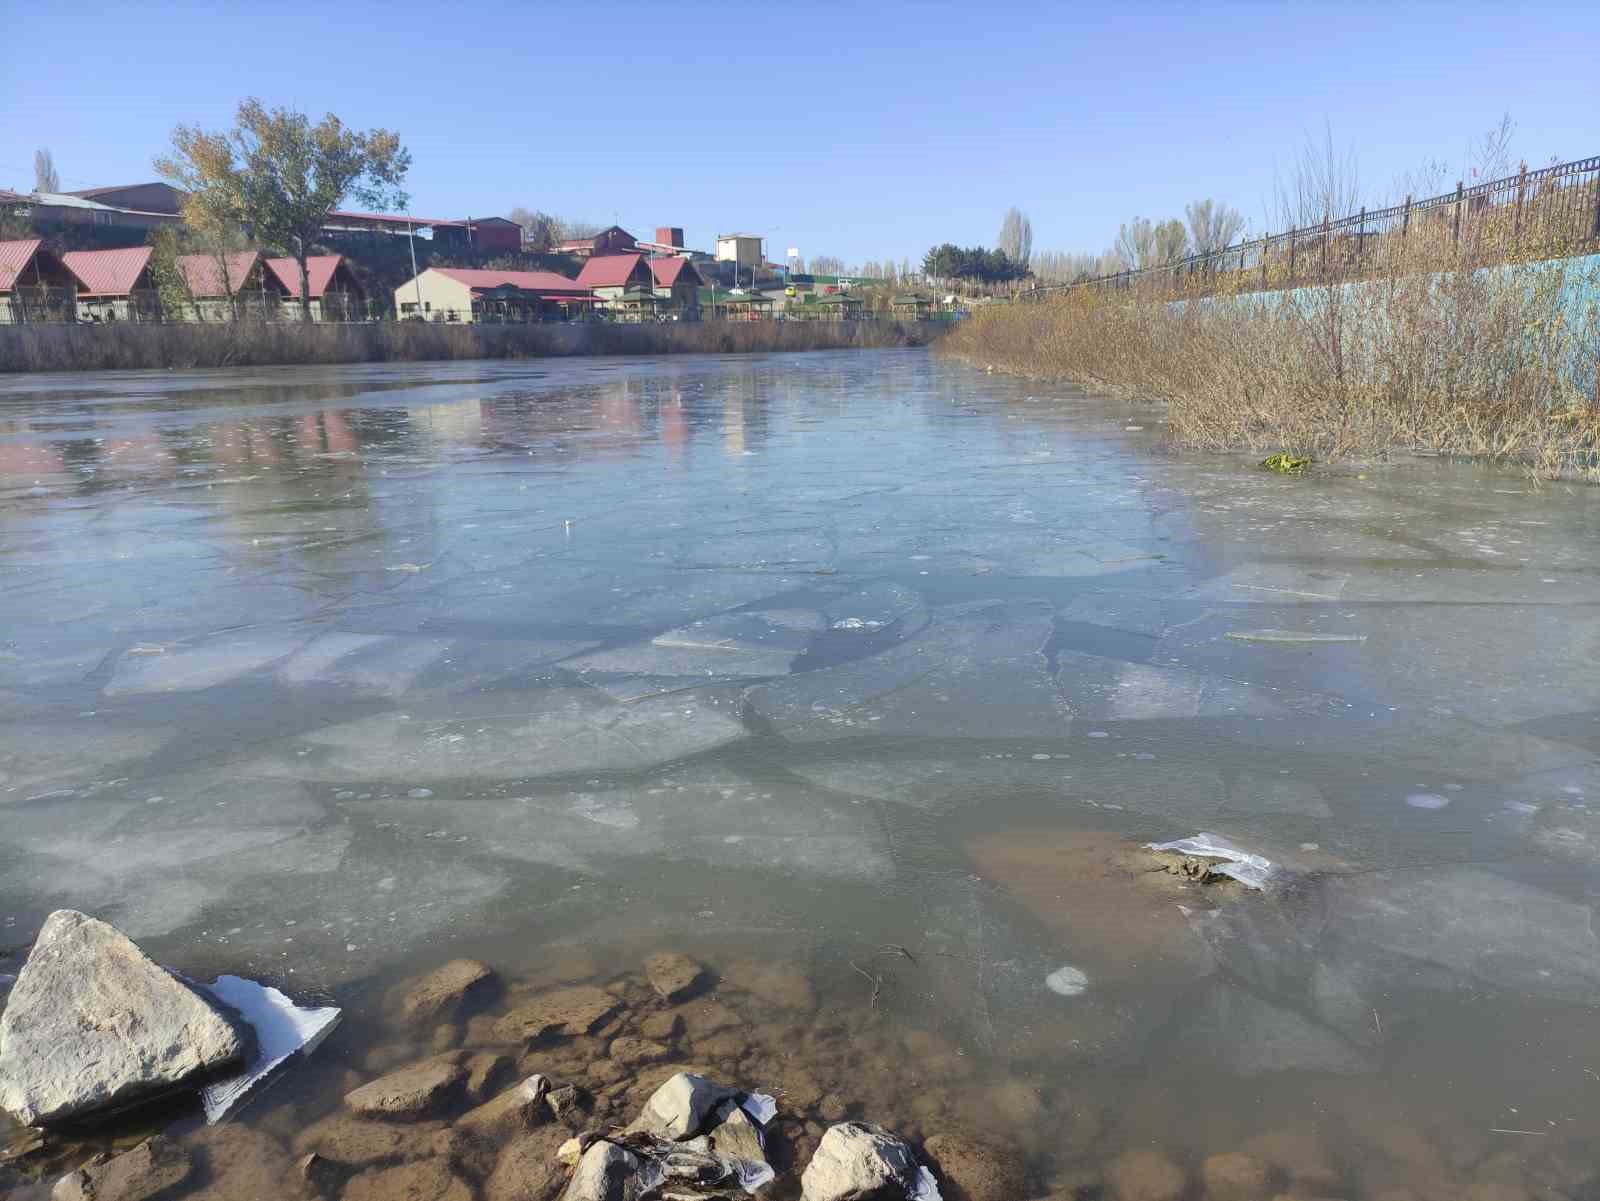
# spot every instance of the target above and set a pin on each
(1253, 871)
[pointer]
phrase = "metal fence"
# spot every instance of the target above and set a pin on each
(1547, 213)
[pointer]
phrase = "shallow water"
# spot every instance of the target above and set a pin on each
(328, 675)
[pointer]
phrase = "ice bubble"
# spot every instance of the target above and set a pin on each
(1427, 800)
(1066, 981)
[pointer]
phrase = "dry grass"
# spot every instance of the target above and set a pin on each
(129, 346)
(1434, 354)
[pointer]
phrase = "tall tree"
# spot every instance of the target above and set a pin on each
(1212, 226)
(279, 176)
(1016, 236)
(1171, 242)
(1136, 243)
(45, 177)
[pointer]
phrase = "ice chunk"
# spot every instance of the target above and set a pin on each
(203, 665)
(282, 1030)
(552, 732)
(1253, 871)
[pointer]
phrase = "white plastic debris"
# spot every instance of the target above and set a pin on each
(282, 1029)
(1253, 871)
(1067, 981)
(761, 1108)
(1291, 636)
(925, 1187)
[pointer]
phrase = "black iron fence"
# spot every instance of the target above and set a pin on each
(1547, 213)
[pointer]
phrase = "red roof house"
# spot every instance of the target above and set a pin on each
(609, 275)
(35, 284)
(331, 287)
(114, 285)
(108, 273)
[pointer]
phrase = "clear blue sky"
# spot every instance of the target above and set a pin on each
(865, 130)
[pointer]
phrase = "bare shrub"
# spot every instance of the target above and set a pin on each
(1496, 361)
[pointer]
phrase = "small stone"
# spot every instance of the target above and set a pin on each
(858, 1162)
(237, 1162)
(1234, 1177)
(565, 1011)
(154, 1165)
(662, 1027)
(420, 1090)
(529, 1168)
(605, 1172)
(92, 1022)
(565, 1102)
(514, 1111)
(682, 1107)
(320, 1173)
(973, 1171)
(358, 1143)
(606, 1071)
(737, 1135)
(1144, 1175)
(832, 1107)
(701, 1019)
(424, 1180)
(445, 989)
(672, 975)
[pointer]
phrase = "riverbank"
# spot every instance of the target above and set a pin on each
(126, 346)
(1495, 363)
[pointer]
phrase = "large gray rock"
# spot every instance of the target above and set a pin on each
(606, 1172)
(92, 1023)
(858, 1162)
(682, 1107)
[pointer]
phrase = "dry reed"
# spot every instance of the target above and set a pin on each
(1425, 351)
(129, 346)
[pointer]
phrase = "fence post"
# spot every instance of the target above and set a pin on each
(1455, 233)
(1325, 223)
(1596, 230)
(1265, 239)
(1292, 232)
(1361, 235)
(1516, 217)
(1405, 222)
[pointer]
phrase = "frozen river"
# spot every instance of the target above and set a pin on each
(326, 675)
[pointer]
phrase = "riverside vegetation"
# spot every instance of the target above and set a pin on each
(252, 344)
(1480, 348)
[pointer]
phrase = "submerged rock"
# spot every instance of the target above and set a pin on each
(1234, 1177)
(424, 1180)
(92, 1023)
(442, 991)
(971, 1170)
(565, 1011)
(858, 1162)
(359, 1143)
(150, 1168)
(413, 1092)
(672, 975)
(516, 1110)
(1144, 1175)
(528, 1168)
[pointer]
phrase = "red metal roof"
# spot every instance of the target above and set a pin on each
(200, 272)
(319, 273)
(14, 259)
(667, 271)
(533, 281)
(608, 270)
(107, 272)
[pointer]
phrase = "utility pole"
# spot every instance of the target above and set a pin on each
(416, 280)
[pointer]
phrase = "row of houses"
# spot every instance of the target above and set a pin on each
(631, 287)
(37, 284)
